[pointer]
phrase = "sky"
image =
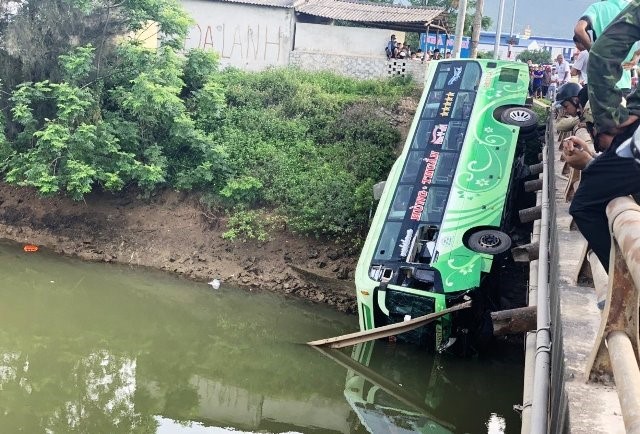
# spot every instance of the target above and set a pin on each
(545, 17)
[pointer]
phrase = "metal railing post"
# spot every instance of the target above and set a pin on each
(625, 369)
(616, 347)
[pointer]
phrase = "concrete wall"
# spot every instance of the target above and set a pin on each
(358, 41)
(253, 38)
(245, 36)
(363, 67)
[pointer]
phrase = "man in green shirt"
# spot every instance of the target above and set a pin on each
(605, 62)
(596, 18)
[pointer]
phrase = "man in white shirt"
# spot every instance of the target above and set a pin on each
(579, 67)
(562, 68)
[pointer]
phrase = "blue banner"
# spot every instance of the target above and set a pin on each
(430, 42)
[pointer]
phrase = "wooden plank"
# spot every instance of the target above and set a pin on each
(386, 331)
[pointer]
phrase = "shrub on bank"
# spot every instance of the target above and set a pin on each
(307, 146)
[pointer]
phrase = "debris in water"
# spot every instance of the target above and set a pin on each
(215, 284)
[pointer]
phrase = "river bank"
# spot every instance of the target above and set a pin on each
(170, 231)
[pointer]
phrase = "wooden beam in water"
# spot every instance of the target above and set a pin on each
(514, 321)
(386, 331)
(505, 322)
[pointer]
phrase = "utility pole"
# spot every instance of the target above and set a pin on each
(496, 45)
(477, 26)
(513, 16)
(457, 43)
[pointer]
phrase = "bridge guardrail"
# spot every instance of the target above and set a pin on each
(545, 404)
(615, 353)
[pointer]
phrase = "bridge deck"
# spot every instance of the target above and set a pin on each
(593, 408)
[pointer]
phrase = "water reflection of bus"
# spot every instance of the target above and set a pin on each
(383, 406)
(395, 388)
(441, 219)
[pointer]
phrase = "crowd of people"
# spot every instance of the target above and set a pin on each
(602, 114)
(399, 50)
(544, 80)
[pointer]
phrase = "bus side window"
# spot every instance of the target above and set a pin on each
(387, 242)
(455, 136)
(445, 169)
(423, 134)
(427, 244)
(436, 202)
(441, 80)
(462, 106)
(401, 202)
(410, 171)
(471, 77)
(432, 105)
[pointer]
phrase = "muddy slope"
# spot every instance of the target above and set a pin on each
(171, 231)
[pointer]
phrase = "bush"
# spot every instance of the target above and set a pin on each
(246, 225)
(307, 146)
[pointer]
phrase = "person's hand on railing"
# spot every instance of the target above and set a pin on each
(576, 152)
(633, 62)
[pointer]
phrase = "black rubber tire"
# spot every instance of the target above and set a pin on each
(490, 241)
(521, 117)
(528, 135)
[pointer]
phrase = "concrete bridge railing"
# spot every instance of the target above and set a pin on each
(615, 354)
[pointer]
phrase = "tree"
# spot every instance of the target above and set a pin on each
(108, 113)
(33, 33)
(95, 109)
(451, 8)
(538, 57)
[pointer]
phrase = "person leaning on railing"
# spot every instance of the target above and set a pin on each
(577, 119)
(608, 175)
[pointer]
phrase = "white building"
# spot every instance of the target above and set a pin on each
(256, 34)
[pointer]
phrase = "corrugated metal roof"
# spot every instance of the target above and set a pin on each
(367, 12)
(275, 3)
(404, 18)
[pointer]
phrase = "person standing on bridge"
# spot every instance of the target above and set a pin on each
(608, 175)
(562, 68)
(596, 18)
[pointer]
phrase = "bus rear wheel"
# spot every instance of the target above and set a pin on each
(521, 117)
(491, 241)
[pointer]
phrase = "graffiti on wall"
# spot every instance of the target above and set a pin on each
(260, 43)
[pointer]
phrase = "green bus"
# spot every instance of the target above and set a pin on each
(440, 219)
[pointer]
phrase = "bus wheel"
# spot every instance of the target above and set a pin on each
(491, 241)
(521, 117)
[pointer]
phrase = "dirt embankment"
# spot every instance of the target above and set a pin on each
(169, 231)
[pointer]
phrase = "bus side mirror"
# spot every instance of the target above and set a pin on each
(378, 189)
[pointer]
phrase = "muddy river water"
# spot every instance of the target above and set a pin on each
(98, 348)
